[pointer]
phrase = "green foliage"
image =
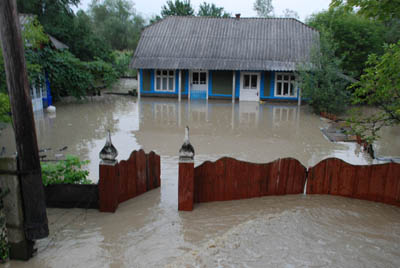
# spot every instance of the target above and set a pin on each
(121, 60)
(5, 109)
(211, 10)
(86, 44)
(102, 72)
(320, 81)
(117, 23)
(354, 37)
(379, 86)
(70, 76)
(33, 34)
(264, 8)
(177, 8)
(67, 74)
(382, 10)
(68, 171)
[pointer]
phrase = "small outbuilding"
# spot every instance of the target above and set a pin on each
(248, 59)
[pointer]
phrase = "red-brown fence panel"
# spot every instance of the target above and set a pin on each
(230, 179)
(378, 183)
(128, 178)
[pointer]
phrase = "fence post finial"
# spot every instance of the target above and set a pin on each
(186, 153)
(186, 175)
(109, 152)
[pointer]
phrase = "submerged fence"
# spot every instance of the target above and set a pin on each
(378, 183)
(230, 179)
(122, 181)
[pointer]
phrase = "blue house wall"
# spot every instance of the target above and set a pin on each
(265, 93)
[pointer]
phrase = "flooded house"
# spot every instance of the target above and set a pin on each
(249, 59)
(40, 88)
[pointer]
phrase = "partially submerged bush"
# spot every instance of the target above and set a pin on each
(68, 171)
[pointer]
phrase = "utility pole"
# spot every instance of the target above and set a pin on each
(35, 217)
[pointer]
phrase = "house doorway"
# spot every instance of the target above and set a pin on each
(199, 84)
(250, 86)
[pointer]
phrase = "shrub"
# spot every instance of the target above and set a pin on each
(68, 171)
(322, 84)
(4, 108)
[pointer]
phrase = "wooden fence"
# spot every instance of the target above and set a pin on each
(230, 179)
(378, 183)
(121, 181)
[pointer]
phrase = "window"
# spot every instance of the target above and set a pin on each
(250, 81)
(285, 85)
(165, 80)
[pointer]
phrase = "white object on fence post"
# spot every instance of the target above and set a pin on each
(186, 175)
(109, 152)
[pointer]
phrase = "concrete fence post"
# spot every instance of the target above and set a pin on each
(108, 177)
(20, 247)
(186, 175)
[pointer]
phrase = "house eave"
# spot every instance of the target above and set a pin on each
(212, 64)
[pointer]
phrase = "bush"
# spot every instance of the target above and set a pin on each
(121, 60)
(70, 76)
(67, 74)
(102, 72)
(4, 108)
(68, 171)
(322, 84)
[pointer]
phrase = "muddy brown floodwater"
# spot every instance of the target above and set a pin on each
(148, 231)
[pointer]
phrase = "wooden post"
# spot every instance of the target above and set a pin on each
(35, 217)
(186, 175)
(108, 177)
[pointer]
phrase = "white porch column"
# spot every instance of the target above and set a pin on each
(138, 82)
(190, 84)
(233, 87)
(180, 85)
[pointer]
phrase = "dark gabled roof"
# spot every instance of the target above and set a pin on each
(224, 44)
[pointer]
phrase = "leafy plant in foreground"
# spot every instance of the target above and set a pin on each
(68, 171)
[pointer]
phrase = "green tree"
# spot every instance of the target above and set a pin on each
(34, 38)
(382, 10)
(87, 45)
(177, 8)
(211, 10)
(117, 22)
(354, 37)
(379, 86)
(320, 79)
(264, 8)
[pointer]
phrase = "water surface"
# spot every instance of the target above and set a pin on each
(148, 231)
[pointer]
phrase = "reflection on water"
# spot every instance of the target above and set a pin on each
(246, 130)
(148, 231)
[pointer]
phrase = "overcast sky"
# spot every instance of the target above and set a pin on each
(303, 7)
